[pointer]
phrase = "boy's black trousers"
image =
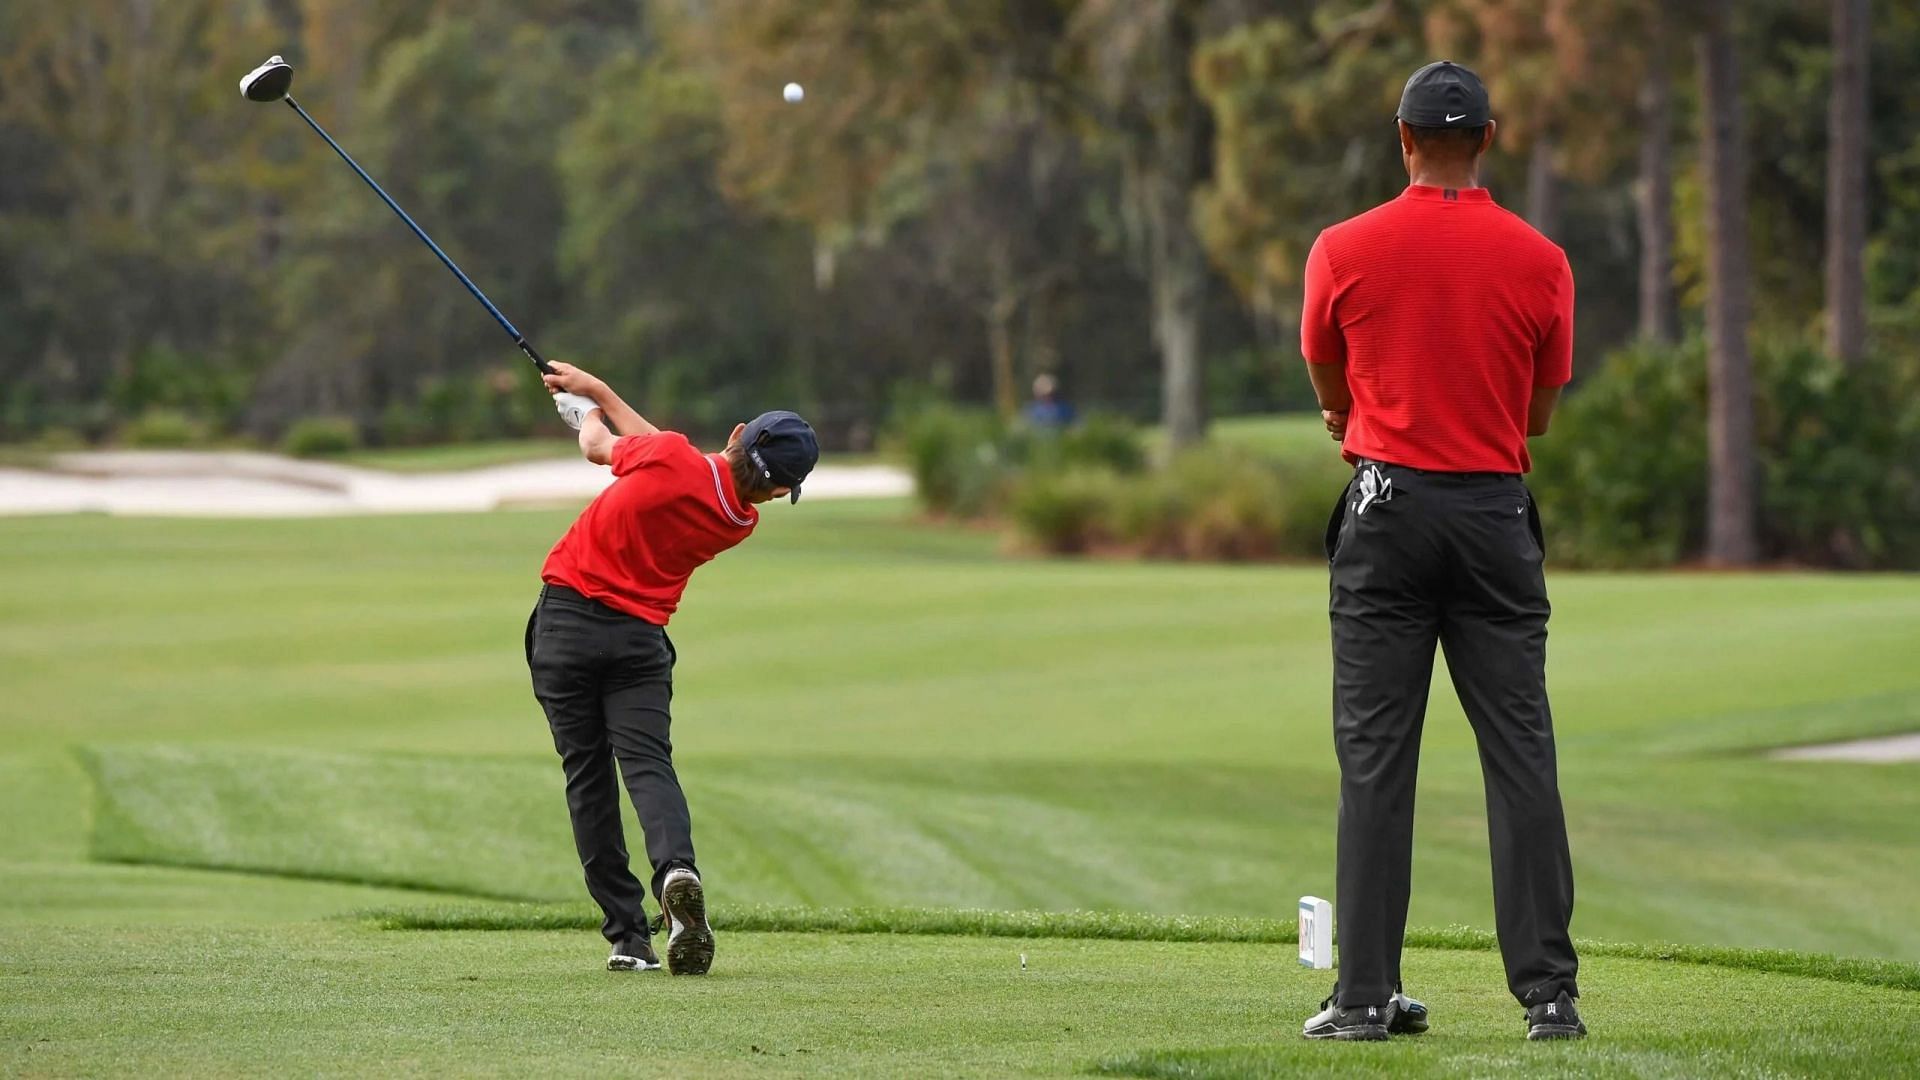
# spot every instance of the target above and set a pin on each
(1455, 559)
(605, 679)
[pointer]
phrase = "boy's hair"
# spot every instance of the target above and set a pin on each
(747, 480)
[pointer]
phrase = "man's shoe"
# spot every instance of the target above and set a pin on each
(689, 938)
(633, 954)
(1557, 1019)
(1362, 1023)
(1409, 1016)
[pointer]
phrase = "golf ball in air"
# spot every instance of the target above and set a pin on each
(793, 93)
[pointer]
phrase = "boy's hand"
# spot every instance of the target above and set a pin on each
(567, 379)
(574, 408)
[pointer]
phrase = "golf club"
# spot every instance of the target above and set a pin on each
(270, 82)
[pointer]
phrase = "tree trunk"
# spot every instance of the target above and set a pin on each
(1543, 187)
(1001, 309)
(1176, 262)
(1847, 184)
(1653, 198)
(1730, 455)
(1179, 289)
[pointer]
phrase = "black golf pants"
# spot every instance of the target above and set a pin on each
(605, 680)
(1453, 559)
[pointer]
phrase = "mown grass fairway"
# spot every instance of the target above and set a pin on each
(875, 713)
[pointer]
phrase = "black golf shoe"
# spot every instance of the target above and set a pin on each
(633, 954)
(1362, 1023)
(683, 906)
(1557, 1019)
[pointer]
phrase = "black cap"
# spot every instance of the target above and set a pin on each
(782, 446)
(1444, 94)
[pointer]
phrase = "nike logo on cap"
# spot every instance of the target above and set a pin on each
(1451, 118)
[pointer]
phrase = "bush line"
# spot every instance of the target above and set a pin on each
(1123, 926)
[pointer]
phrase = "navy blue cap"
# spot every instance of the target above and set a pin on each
(783, 447)
(1444, 94)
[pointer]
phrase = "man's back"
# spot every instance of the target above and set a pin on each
(1447, 311)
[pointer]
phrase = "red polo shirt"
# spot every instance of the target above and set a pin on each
(1447, 311)
(669, 509)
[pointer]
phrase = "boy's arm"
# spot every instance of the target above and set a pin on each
(596, 442)
(618, 413)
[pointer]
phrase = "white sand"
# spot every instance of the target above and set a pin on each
(1885, 750)
(185, 483)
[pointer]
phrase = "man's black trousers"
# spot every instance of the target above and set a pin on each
(605, 680)
(1420, 558)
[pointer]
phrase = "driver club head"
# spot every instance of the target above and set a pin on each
(268, 82)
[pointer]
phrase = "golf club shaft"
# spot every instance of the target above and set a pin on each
(519, 338)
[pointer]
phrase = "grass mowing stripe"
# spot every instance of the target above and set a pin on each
(1126, 926)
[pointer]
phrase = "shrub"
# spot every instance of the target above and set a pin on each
(321, 436)
(965, 462)
(1067, 511)
(1210, 502)
(1622, 480)
(1622, 477)
(1223, 503)
(1103, 440)
(162, 429)
(957, 459)
(1841, 454)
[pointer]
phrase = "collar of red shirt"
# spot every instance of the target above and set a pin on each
(739, 514)
(1434, 194)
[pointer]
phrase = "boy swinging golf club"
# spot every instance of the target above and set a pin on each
(598, 649)
(597, 641)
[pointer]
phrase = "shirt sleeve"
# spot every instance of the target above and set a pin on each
(1553, 363)
(630, 452)
(1320, 339)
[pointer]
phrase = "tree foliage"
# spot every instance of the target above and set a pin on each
(1120, 192)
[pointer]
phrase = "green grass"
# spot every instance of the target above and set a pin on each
(1290, 436)
(341, 999)
(217, 735)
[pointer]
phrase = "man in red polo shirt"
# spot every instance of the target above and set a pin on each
(1438, 329)
(598, 648)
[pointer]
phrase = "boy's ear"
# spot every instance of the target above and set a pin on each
(734, 439)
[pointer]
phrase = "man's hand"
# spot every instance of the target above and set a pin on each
(574, 408)
(567, 379)
(1336, 423)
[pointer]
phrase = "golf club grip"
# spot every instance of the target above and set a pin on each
(513, 331)
(533, 354)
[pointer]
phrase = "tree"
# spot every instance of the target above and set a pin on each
(1847, 183)
(1139, 57)
(1653, 190)
(1300, 142)
(1730, 448)
(1535, 57)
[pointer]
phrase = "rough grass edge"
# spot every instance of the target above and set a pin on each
(1123, 926)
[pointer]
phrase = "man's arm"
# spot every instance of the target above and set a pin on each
(617, 412)
(1553, 363)
(1322, 344)
(1540, 409)
(1336, 400)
